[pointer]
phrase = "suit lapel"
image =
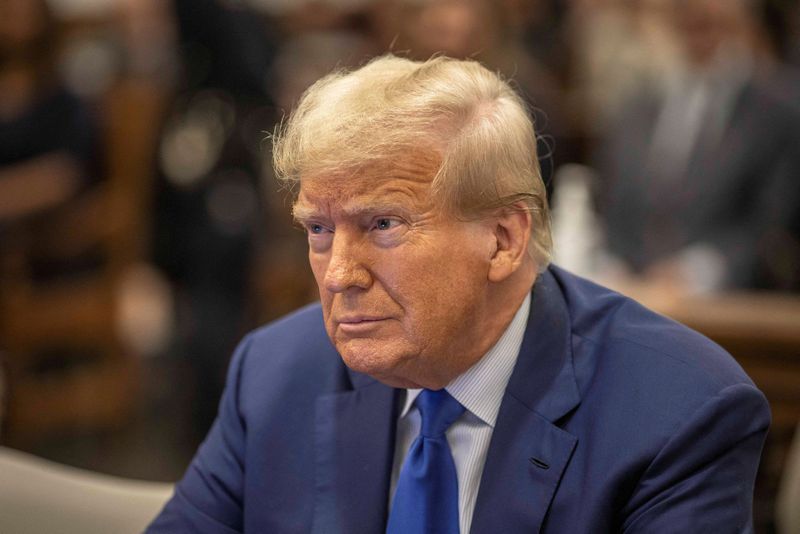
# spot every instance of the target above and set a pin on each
(354, 453)
(523, 469)
(528, 452)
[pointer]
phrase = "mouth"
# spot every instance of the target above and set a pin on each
(359, 324)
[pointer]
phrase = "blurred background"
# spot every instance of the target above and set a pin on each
(142, 232)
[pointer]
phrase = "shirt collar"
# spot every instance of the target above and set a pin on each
(480, 388)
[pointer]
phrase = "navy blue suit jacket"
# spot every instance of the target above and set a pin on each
(615, 419)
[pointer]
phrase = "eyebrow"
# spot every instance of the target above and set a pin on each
(304, 212)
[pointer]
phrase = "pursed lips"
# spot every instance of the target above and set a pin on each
(353, 324)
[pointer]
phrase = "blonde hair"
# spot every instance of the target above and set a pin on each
(467, 116)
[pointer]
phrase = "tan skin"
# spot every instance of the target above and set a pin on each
(411, 296)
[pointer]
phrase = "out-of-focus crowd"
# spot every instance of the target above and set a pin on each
(134, 150)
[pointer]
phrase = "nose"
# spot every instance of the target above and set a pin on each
(347, 267)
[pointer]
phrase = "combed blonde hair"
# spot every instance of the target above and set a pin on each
(462, 113)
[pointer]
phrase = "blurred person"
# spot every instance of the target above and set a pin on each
(475, 29)
(51, 148)
(616, 46)
(700, 172)
(208, 201)
(480, 30)
(48, 137)
(451, 380)
(458, 28)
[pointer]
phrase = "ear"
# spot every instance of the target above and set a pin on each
(512, 233)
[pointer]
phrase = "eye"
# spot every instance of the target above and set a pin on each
(386, 223)
(315, 228)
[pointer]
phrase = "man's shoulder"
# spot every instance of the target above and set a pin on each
(643, 341)
(661, 408)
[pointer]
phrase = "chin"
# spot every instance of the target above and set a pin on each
(373, 360)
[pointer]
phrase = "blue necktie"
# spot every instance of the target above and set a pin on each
(426, 496)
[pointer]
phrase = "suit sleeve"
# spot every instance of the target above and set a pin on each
(702, 479)
(208, 500)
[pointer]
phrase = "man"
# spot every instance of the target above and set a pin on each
(568, 408)
(701, 169)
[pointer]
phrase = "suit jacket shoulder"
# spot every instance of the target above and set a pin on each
(667, 420)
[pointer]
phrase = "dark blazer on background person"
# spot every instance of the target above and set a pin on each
(614, 419)
(737, 193)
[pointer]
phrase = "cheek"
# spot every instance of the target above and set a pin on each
(438, 292)
(319, 265)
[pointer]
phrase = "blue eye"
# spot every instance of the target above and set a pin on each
(386, 223)
(314, 228)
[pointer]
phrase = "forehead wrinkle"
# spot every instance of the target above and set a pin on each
(391, 198)
(308, 206)
(352, 199)
(318, 196)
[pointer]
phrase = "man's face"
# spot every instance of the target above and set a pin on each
(403, 285)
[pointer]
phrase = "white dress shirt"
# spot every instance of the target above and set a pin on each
(480, 390)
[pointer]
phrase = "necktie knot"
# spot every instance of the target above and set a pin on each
(438, 410)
